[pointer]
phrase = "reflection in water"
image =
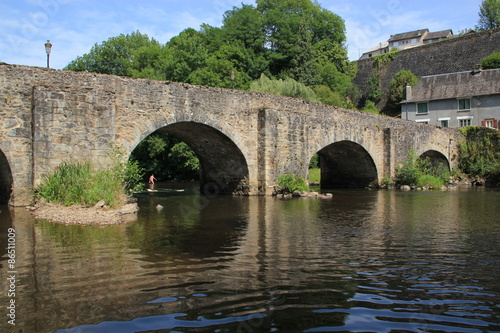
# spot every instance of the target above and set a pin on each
(366, 260)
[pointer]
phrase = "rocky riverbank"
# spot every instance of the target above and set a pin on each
(100, 214)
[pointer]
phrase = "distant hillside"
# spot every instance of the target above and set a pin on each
(451, 55)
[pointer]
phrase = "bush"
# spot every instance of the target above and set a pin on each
(370, 107)
(290, 183)
(420, 172)
(287, 87)
(480, 153)
(491, 62)
(397, 85)
(79, 183)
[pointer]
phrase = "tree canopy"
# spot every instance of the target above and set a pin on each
(489, 15)
(281, 39)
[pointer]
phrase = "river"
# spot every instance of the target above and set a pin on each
(364, 261)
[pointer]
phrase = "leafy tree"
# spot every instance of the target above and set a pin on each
(374, 91)
(282, 20)
(397, 85)
(480, 153)
(283, 87)
(127, 55)
(327, 96)
(489, 15)
(303, 67)
(166, 157)
(245, 24)
(370, 107)
(491, 62)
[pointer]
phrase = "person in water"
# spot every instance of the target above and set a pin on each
(152, 179)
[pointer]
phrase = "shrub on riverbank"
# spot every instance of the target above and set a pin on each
(480, 153)
(79, 183)
(290, 183)
(420, 172)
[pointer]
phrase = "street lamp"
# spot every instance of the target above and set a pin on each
(232, 78)
(48, 47)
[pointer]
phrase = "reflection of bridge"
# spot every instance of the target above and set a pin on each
(241, 138)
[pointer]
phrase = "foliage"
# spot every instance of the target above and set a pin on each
(420, 172)
(314, 175)
(129, 173)
(287, 87)
(289, 183)
(480, 153)
(370, 107)
(398, 84)
(374, 91)
(166, 157)
(127, 55)
(489, 15)
(491, 62)
(278, 38)
(327, 96)
(314, 164)
(79, 184)
(385, 58)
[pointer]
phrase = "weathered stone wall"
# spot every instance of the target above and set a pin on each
(453, 55)
(50, 116)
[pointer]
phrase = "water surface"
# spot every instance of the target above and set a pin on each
(365, 261)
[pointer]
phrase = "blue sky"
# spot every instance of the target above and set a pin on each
(73, 26)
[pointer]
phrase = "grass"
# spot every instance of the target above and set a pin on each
(80, 184)
(314, 175)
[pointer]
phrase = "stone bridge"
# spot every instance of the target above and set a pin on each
(243, 139)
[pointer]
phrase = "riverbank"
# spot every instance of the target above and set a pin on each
(100, 214)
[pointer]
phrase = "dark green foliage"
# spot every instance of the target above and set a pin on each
(420, 172)
(374, 91)
(290, 183)
(491, 62)
(385, 58)
(397, 85)
(166, 157)
(314, 164)
(370, 107)
(287, 87)
(489, 15)
(480, 153)
(278, 38)
(82, 184)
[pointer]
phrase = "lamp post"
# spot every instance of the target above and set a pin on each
(48, 47)
(232, 78)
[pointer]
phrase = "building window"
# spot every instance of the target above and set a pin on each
(422, 108)
(444, 123)
(464, 104)
(465, 122)
(423, 121)
(491, 123)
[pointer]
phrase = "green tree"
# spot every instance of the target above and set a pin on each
(489, 15)
(284, 87)
(374, 91)
(282, 20)
(127, 55)
(491, 62)
(303, 65)
(327, 96)
(245, 24)
(397, 86)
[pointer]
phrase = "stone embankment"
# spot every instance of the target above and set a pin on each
(100, 214)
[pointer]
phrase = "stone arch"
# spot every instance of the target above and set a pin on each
(6, 180)
(223, 167)
(346, 164)
(437, 159)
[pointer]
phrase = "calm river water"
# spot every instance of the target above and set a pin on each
(364, 261)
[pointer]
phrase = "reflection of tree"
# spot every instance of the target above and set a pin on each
(190, 224)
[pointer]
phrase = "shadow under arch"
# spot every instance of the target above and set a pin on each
(437, 159)
(6, 180)
(223, 167)
(346, 164)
